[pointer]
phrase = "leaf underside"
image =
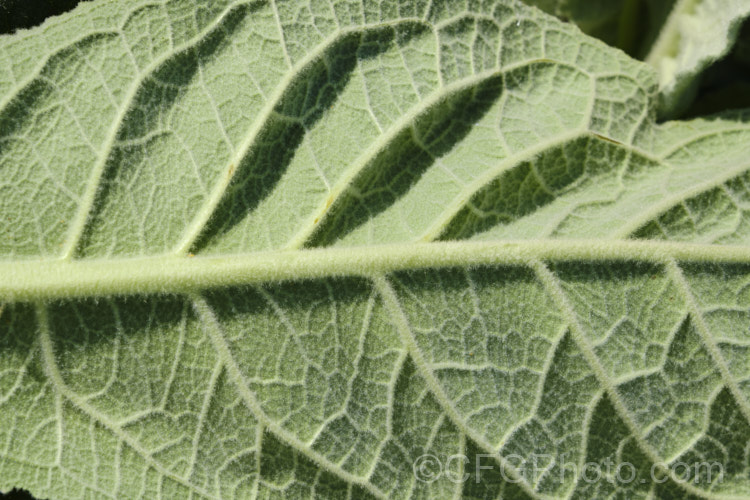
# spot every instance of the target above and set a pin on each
(284, 249)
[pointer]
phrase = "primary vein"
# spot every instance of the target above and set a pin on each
(50, 279)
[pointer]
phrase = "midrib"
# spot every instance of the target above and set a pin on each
(51, 279)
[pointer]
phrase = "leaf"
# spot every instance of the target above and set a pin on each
(597, 18)
(681, 39)
(696, 34)
(726, 84)
(285, 249)
(597, 13)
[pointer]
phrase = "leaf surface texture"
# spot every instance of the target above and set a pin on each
(285, 248)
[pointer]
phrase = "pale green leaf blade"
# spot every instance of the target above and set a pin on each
(165, 333)
(603, 19)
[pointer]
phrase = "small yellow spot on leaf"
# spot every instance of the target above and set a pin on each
(608, 139)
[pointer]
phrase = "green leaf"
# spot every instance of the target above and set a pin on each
(696, 34)
(285, 249)
(598, 18)
(681, 39)
(597, 13)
